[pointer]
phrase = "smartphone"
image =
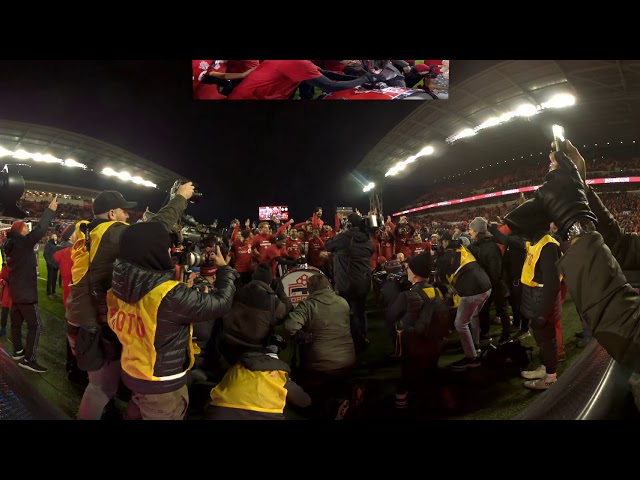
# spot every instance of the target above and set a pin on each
(558, 137)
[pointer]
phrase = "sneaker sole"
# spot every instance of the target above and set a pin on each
(342, 411)
(17, 357)
(27, 367)
(462, 369)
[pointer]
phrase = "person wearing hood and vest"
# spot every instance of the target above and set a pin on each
(352, 251)
(257, 387)
(541, 306)
(23, 286)
(97, 347)
(152, 315)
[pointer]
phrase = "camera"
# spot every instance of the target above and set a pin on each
(11, 190)
(195, 198)
(194, 243)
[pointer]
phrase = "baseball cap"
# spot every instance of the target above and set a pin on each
(109, 200)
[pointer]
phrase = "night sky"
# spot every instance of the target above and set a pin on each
(242, 154)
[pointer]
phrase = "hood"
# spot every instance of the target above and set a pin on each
(52, 242)
(358, 235)
(263, 362)
(132, 282)
(325, 296)
(10, 243)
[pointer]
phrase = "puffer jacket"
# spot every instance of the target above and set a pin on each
(251, 321)
(22, 260)
(179, 308)
(325, 316)
(488, 254)
(352, 251)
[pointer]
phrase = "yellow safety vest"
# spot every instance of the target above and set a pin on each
(261, 391)
(79, 252)
(533, 254)
(465, 258)
(135, 325)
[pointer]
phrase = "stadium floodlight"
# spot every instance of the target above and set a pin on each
(126, 176)
(40, 157)
(398, 167)
(370, 186)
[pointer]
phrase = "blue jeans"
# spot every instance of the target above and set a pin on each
(467, 316)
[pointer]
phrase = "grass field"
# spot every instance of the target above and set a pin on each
(477, 394)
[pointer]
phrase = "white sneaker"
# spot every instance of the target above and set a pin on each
(540, 383)
(540, 372)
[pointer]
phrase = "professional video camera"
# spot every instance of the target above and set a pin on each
(11, 190)
(194, 243)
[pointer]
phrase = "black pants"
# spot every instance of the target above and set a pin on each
(4, 317)
(25, 312)
(52, 278)
(515, 298)
(545, 336)
(500, 301)
(325, 389)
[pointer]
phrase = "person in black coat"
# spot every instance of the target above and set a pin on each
(23, 286)
(352, 251)
(52, 266)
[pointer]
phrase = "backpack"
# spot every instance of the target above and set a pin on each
(511, 355)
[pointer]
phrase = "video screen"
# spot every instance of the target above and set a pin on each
(281, 212)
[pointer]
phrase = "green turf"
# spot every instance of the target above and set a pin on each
(53, 306)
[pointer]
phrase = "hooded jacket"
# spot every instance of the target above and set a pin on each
(251, 320)
(157, 354)
(23, 286)
(326, 316)
(256, 388)
(488, 254)
(352, 251)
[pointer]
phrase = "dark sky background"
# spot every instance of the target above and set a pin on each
(242, 154)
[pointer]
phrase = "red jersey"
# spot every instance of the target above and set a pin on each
(63, 257)
(241, 66)
(261, 243)
(243, 256)
(376, 252)
(4, 277)
(198, 70)
(419, 247)
(275, 80)
(270, 257)
(293, 247)
(334, 66)
(316, 245)
(386, 248)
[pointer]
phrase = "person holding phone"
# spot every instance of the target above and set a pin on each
(23, 286)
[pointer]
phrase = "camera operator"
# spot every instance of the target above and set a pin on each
(423, 321)
(257, 308)
(320, 324)
(151, 314)
(98, 349)
(352, 252)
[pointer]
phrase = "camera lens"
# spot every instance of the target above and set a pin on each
(195, 198)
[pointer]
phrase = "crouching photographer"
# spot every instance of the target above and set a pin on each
(152, 315)
(423, 320)
(320, 326)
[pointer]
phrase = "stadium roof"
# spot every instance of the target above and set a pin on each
(607, 108)
(95, 154)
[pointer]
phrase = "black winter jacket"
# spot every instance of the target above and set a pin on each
(488, 254)
(352, 251)
(181, 307)
(21, 259)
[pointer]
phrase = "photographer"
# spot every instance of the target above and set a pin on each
(257, 308)
(423, 321)
(151, 314)
(98, 349)
(352, 252)
(327, 354)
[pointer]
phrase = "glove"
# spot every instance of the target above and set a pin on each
(563, 195)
